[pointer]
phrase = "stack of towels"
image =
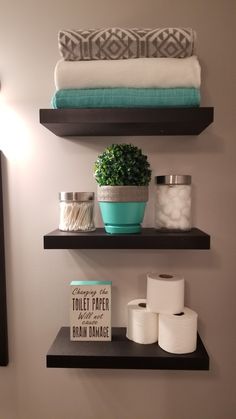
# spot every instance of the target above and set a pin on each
(123, 68)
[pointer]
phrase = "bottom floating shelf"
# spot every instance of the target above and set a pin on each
(121, 353)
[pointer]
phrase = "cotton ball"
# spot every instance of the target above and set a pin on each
(177, 203)
(188, 203)
(172, 192)
(186, 211)
(160, 224)
(173, 225)
(184, 223)
(175, 214)
(162, 196)
(161, 217)
(173, 207)
(184, 191)
(163, 200)
(167, 209)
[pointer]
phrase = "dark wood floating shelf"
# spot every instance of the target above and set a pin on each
(149, 238)
(121, 353)
(128, 121)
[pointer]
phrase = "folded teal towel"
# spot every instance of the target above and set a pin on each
(126, 98)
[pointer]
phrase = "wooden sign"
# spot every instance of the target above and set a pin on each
(90, 310)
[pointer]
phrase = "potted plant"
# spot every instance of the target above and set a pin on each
(123, 173)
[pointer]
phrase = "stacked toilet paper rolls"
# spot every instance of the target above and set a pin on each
(165, 293)
(178, 332)
(162, 316)
(142, 324)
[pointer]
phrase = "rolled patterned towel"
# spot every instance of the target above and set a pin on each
(121, 43)
(139, 73)
(126, 98)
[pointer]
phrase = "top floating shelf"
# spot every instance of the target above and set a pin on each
(129, 121)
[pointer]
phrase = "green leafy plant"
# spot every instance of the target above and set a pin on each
(122, 164)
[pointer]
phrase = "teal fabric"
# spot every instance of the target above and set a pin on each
(126, 98)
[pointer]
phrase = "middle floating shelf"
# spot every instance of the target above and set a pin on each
(149, 238)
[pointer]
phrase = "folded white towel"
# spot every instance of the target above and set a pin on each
(139, 72)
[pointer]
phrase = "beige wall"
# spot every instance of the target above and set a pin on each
(38, 165)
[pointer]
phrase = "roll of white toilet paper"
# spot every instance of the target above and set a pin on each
(165, 293)
(178, 332)
(142, 324)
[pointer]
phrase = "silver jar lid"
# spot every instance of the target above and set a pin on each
(173, 180)
(76, 196)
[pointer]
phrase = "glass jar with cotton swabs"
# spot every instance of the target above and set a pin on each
(76, 211)
(173, 202)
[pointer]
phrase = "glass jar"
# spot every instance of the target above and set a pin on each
(173, 202)
(76, 211)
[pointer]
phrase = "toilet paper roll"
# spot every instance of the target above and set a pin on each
(165, 293)
(142, 324)
(178, 332)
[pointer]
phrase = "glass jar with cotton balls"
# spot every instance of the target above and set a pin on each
(173, 202)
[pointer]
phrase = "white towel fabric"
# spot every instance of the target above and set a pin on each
(138, 72)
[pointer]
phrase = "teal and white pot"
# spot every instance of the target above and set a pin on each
(122, 208)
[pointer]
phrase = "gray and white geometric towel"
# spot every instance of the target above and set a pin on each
(119, 43)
